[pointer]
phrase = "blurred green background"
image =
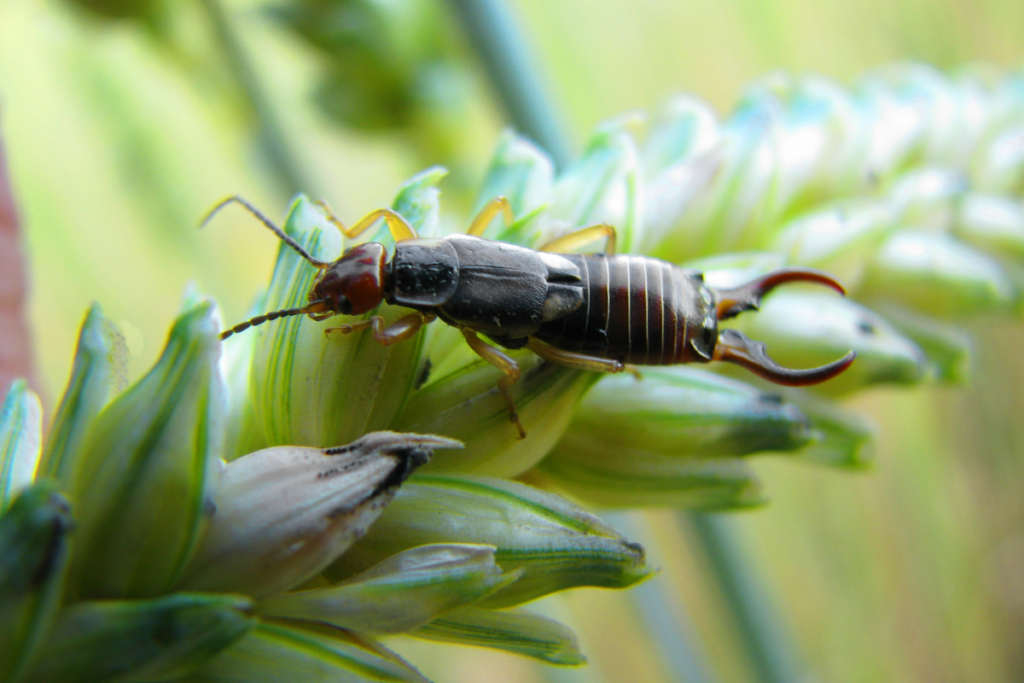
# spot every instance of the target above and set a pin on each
(121, 133)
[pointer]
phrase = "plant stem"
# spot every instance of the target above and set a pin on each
(761, 630)
(495, 34)
(270, 133)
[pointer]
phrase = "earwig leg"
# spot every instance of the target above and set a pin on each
(400, 228)
(575, 360)
(398, 331)
(503, 363)
(270, 225)
(731, 302)
(735, 347)
(487, 214)
(633, 370)
(583, 236)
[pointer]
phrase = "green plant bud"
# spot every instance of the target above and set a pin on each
(653, 479)
(804, 137)
(21, 418)
(927, 198)
(808, 328)
(929, 92)
(280, 652)
(679, 412)
(824, 103)
(992, 223)
(686, 127)
(999, 166)
(681, 156)
(401, 593)
(839, 240)
(844, 438)
(466, 405)
(936, 275)
(140, 482)
(972, 93)
(726, 215)
(140, 640)
(898, 127)
(603, 186)
(522, 173)
(947, 347)
(285, 513)
(311, 388)
(521, 632)
(98, 374)
(556, 544)
(34, 538)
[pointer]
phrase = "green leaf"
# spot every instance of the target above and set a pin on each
(21, 419)
(936, 275)
(947, 347)
(681, 156)
(556, 544)
(97, 375)
(465, 404)
(283, 514)
(680, 412)
(401, 593)
(34, 539)
(840, 239)
(653, 479)
(992, 223)
(520, 632)
(141, 479)
(844, 438)
(133, 641)
(283, 653)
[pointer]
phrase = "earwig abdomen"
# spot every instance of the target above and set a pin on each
(637, 310)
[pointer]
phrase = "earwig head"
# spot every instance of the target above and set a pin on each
(734, 347)
(354, 283)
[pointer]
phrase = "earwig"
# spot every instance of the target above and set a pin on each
(602, 312)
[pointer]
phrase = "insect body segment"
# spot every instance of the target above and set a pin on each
(594, 312)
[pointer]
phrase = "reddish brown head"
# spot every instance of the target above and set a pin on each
(354, 283)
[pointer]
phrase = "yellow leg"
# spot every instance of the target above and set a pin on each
(487, 214)
(503, 363)
(400, 228)
(398, 331)
(575, 360)
(578, 238)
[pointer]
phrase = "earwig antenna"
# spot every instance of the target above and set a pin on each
(731, 302)
(313, 307)
(270, 224)
(736, 347)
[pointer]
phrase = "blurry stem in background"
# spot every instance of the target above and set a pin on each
(15, 350)
(270, 132)
(494, 33)
(762, 632)
(671, 630)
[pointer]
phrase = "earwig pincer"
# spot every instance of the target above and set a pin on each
(604, 312)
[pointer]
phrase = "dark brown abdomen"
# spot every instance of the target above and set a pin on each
(637, 310)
